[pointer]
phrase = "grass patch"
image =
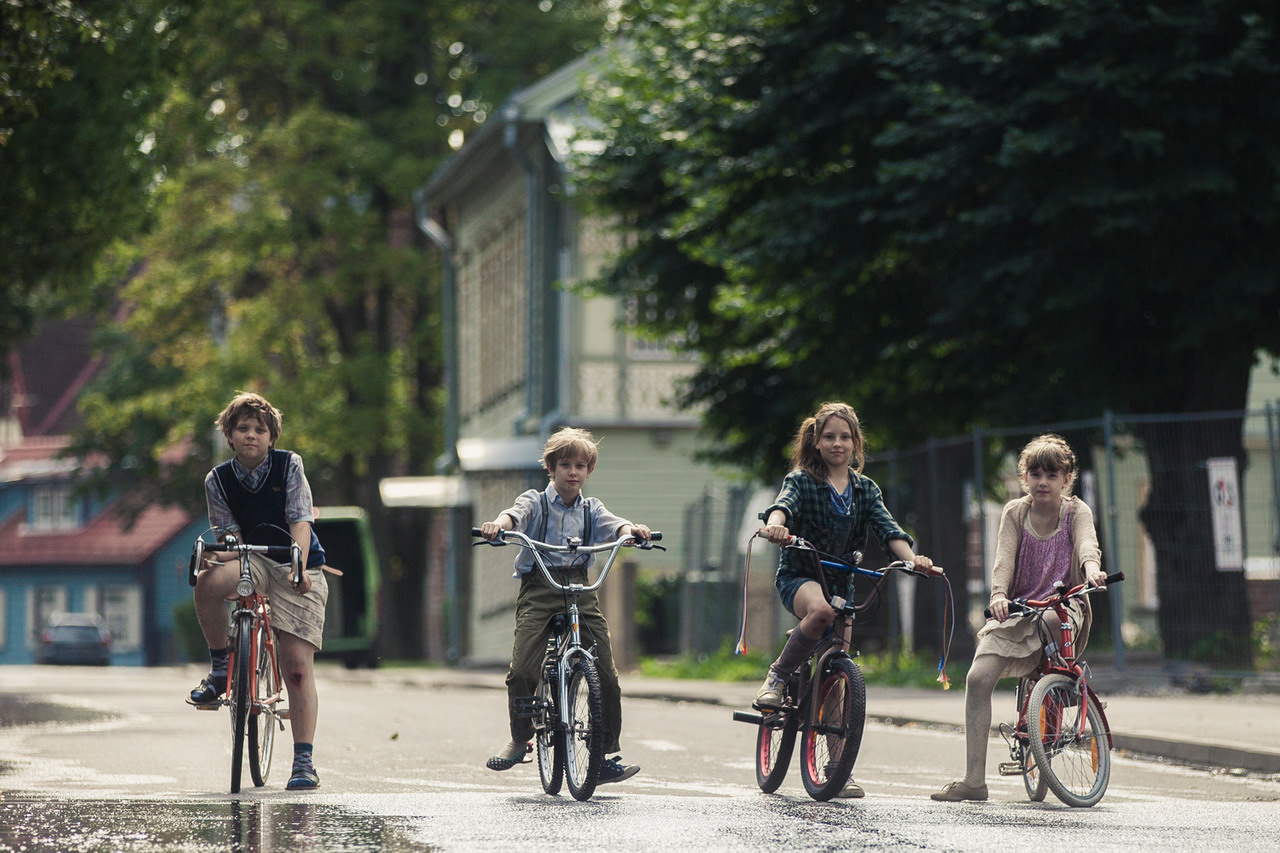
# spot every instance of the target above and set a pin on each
(893, 669)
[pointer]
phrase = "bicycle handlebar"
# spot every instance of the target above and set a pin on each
(1020, 606)
(827, 561)
(291, 553)
(573, 547)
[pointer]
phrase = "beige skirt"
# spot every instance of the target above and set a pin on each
(1018, 641)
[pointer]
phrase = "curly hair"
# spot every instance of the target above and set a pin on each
(247, 403)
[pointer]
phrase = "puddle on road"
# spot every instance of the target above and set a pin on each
(18, 710)
(32, 825)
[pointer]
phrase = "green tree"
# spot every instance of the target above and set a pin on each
(285, 256)
(77, 82)
(957, 214)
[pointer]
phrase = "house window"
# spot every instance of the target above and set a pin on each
(53, 508)
(121, 608)
(42, 603)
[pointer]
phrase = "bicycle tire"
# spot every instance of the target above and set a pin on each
(775, 742)
(262, 720)
(1074, 760)
(1032, 779)
(239, 699)
(584, 730)
(833, 731)
(549, 737)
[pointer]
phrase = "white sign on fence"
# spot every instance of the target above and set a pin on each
(1224, 498)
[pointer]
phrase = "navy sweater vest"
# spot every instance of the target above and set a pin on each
(256, 511)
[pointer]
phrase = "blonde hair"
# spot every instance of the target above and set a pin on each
(805, 454)
(246, 403)
(570, 443)
(1048, 452)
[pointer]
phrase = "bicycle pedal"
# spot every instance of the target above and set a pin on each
(526, 707)
(283, 714)
(1010, 768)
(213, 707)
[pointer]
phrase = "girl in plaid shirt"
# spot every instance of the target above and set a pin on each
(827, 501)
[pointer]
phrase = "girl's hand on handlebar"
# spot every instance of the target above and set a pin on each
(490, 529)
(999, 609)
(1095, 576)
(924, 564)
(641, 532)
(778, 534)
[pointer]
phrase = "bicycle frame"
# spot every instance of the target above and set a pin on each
(250, 613)
(1031, 751)
(829, 675)
(574, 666)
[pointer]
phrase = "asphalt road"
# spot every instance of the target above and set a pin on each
(127, 766)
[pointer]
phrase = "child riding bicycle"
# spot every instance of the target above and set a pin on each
(553, 515)
(1047, 536)
(259, 493)
(827, 501)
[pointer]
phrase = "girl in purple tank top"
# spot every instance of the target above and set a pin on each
(1046, 537)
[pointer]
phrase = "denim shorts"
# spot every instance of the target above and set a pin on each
(788, 585)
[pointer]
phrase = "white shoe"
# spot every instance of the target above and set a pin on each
(770, 693)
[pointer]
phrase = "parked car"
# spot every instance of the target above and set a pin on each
(351, 616)
(75, 638)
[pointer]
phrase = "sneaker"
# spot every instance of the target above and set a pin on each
(509, 756)
(770, 693)
(209, 690)
(852, 791)
(955, 792)
(613, 770)
(304, 776)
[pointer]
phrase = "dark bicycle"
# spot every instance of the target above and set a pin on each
(826, 698)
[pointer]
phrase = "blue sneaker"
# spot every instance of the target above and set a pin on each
(613, 770)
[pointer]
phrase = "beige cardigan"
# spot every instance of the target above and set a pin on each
(1084, 539)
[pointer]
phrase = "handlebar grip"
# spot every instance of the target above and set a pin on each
(475, 531)
(1118, 576)
(655, 536)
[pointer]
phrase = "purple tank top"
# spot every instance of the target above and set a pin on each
(1042, 562)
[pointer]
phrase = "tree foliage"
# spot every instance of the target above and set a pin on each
(949, 212)
(77, 83)
(285, 257)
(955, 214)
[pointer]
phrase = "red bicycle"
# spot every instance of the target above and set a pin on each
(253, 684)
(1061, 740)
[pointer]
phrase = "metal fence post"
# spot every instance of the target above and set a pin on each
(1113, 548)
(1273, 450)
(980, 493)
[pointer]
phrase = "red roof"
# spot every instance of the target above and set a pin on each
(105, 540)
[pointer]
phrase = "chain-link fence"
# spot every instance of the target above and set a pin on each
(1187, 506)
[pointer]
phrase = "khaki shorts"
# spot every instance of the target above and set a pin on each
(292, 613)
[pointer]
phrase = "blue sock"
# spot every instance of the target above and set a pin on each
(218, 661)
(302, 755)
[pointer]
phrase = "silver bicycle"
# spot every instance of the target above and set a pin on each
(568, 709)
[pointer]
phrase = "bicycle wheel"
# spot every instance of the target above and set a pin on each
(584, 732)
(774, 745)
(240, 698)
(549, 737)
(1032, 778)
(1069, 742)
(833, 733)
(262, 721)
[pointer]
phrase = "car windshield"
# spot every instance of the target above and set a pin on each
(75, 634)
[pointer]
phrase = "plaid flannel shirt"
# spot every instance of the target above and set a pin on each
(810, 516)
